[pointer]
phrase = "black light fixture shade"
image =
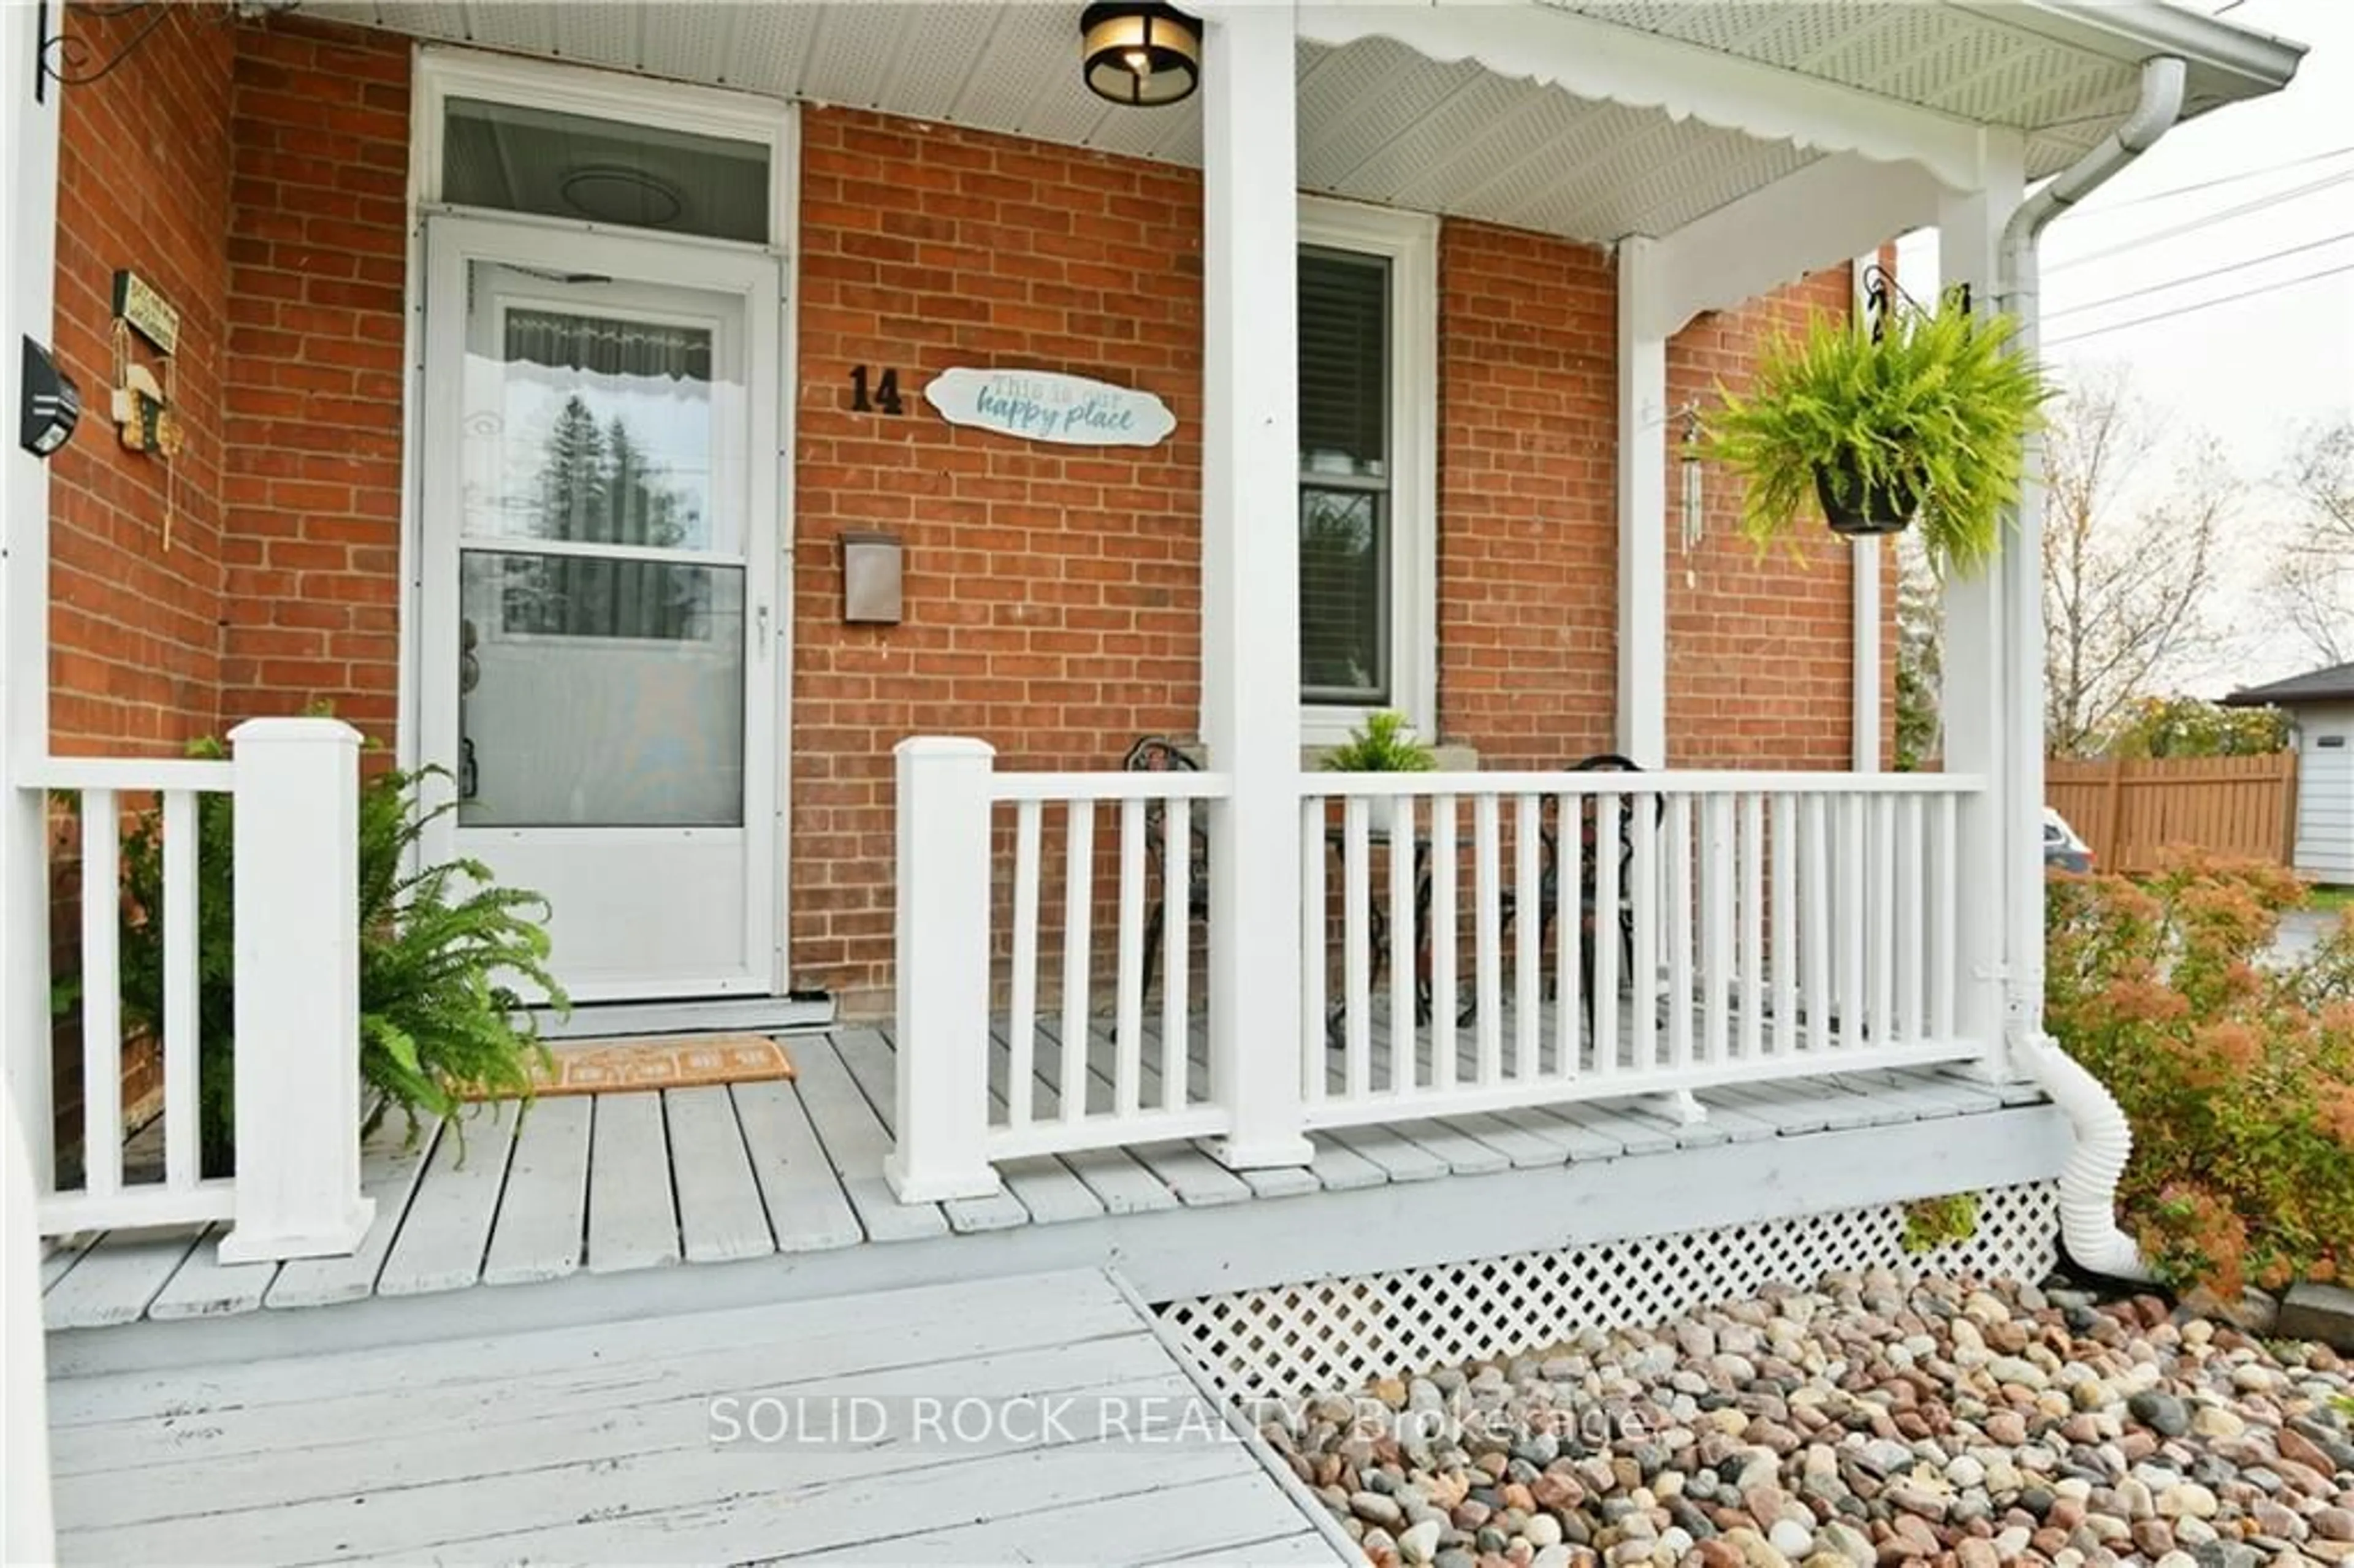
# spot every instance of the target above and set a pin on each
(51, 403)
(1140, 53)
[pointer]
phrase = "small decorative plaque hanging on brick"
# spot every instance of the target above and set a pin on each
(1045, 406)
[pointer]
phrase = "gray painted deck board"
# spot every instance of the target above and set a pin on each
(603, 1451)
(1464, 1154)
(545, 1205)
(856, 1143)
(632, 1215)
(205, 1287)
(1526, 1151)
(392, 1163)
(442, 1243)
(1341, 1168)
(1198, 1181)
(1122, 1185)
(719, 1211)
(60, 1258)
(119, 1277)
(806, 1212)
(482, 1367)
(1401, 1159)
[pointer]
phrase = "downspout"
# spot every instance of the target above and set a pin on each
(2088, 1183)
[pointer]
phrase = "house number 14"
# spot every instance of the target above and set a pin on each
(885, 395)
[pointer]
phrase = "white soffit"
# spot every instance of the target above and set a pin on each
(1378, 120)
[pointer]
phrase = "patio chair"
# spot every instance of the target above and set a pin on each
(1159, 754)
(1589, 831)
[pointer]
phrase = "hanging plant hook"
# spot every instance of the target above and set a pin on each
(1884, 297)
(71, 61)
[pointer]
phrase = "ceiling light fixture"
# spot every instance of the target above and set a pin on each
(1140, 53)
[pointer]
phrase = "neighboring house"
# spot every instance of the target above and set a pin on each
(2320, 705)
(567, 400)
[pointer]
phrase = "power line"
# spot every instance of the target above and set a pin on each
(2202, 277)
(2209, 221)
(2203, 304)
(2227, 179)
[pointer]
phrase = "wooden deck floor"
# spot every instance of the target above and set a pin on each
(598, 1444)
(620, 1185)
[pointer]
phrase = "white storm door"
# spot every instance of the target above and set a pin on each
(600, 632)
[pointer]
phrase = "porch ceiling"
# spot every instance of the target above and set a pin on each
(1379, 121)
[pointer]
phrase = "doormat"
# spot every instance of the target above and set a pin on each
(676, 1062)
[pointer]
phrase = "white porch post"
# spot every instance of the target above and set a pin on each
(28, 187)
(1642, 504)
(1250, 573)
(1866, 557)
(942, 1085)
(1975, 697)
(296, 864)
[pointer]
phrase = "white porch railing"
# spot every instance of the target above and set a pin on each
(1759, 925)
(1548, 937)
(961, 1102)
(295, 1191)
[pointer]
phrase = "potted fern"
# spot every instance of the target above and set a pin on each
(1385, 743)
(1923, 418)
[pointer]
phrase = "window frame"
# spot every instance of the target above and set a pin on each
(1408, 241)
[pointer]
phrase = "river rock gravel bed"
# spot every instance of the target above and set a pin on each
(1875, 1419)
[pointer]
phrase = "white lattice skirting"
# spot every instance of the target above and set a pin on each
(1334, 1336)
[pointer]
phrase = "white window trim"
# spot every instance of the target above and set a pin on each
(1409, 242)
(444, 72)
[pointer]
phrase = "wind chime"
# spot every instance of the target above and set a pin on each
(143, 406)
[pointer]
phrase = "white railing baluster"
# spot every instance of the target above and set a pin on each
(1488, 941)
(1022, 1023)
(1176, 952)
(1315, 948)
(1880, 867)
(1442, 921)
(1608, 936)
(183, 1135)
(1356, 892)
(1786, 924)
(1716, 901)
(1912, 899)
(1568, 925)
(1680, 931)
(1814, 924)
(1944, 929)
(1528, 931)
(1853, 914)
(101, 993)
(1128, 1026)
(1079, 924)
(1643, 977)
(1403, 946)
(1751, 957)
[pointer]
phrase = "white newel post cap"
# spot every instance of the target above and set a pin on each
(315, 731)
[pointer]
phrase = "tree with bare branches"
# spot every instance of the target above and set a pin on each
(2311, 586)
(2131, 515)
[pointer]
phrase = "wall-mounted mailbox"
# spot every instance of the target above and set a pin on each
(870, 579)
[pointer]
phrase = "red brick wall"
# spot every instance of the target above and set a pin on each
(1053, 595)
(135, 660)
(1528, 521)
(317, 244)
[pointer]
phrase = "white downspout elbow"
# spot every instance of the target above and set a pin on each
(2088, 1183)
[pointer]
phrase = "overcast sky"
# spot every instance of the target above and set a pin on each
(2253, 370)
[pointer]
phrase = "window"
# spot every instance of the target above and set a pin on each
(1368, 310)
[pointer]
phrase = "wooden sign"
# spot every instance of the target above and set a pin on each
(1045, 406)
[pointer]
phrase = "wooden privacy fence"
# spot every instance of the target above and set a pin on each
(2129, 811)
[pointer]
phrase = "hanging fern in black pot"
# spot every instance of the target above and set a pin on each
(1920, 420)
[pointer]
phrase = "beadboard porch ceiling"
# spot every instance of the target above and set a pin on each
(1386, 123)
